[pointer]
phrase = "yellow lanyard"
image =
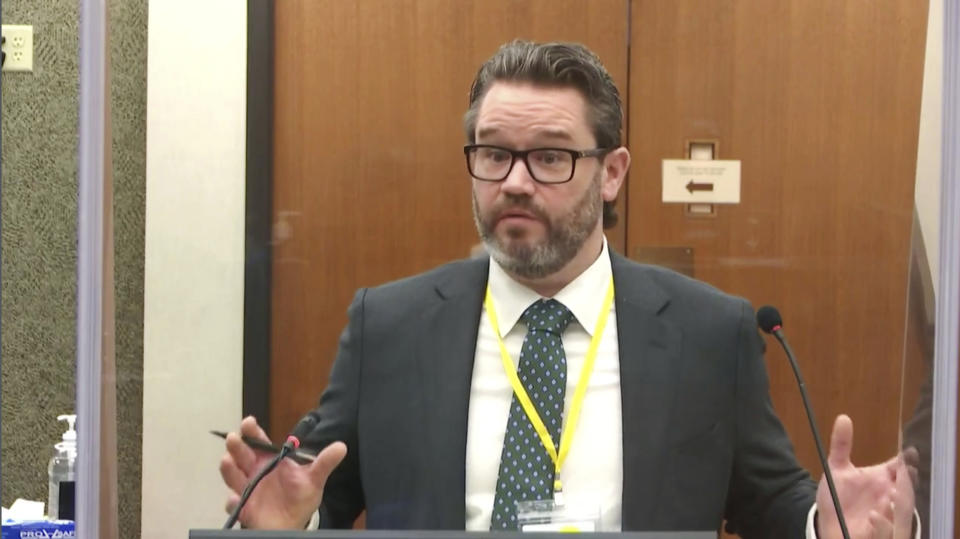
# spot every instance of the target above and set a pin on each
(566, 438)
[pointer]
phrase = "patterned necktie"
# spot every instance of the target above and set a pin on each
(526, 470)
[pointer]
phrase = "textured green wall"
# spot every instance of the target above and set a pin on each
(39, 123)
(39, 213)
(128, 65)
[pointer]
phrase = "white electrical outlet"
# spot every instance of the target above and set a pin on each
(17, 47)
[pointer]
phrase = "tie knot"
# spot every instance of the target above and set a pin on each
(547, 315)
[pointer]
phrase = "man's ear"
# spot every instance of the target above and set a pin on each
(615, 166)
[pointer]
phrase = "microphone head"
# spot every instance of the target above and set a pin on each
(768, 318)
(303, 428)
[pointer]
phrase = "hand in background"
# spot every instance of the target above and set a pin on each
(877, 501)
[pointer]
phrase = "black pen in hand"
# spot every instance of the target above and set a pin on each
(299, 456)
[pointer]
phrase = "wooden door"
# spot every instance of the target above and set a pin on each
(369, 179)
(820, 101)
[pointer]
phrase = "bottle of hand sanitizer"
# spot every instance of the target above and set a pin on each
(63, 473)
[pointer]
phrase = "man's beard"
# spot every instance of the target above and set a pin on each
(565, 235)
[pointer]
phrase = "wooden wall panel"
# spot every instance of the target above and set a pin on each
(370, 183)
(820, 101)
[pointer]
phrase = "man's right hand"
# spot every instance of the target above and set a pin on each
(287, 497)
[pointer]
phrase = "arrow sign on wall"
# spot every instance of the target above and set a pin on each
(692, 186)
(708, 181)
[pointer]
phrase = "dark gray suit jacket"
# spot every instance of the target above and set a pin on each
(701, 442)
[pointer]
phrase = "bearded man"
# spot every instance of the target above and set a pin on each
(554, 371)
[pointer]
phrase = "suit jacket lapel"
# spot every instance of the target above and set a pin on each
(445, 356)
(649, 347)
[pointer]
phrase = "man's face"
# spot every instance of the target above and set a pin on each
(534, 229)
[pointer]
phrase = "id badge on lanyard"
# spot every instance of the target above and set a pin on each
(558, 515)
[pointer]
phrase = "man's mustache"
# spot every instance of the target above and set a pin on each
(521, 204)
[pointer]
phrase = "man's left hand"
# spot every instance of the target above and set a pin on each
(877, 501)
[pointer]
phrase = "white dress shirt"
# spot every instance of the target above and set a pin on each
(593, 470)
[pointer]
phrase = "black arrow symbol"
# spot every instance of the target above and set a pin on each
(699, 187)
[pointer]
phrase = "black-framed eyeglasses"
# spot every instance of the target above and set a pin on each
(546, 165)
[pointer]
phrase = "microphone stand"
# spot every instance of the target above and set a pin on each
(813, 427)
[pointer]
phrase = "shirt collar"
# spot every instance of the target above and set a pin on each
(583, 296)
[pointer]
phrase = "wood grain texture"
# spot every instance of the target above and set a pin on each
(370, 183)
(820, 101)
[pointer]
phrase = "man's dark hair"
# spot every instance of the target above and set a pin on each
(565, 65)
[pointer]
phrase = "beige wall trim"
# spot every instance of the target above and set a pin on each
(194, 259)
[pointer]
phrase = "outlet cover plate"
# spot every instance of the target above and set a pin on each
(18, 46)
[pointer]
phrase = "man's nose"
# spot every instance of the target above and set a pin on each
(519, 179)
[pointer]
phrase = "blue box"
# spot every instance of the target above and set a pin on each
(38, 529)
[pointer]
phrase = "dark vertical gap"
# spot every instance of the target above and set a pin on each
(259, 209)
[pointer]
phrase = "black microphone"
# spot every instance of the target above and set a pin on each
(300, 431)
(303, 428)
(769, 320)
